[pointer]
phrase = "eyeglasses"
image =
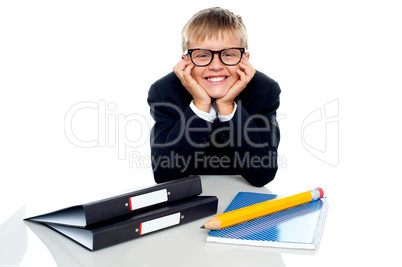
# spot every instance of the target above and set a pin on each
(203, 57)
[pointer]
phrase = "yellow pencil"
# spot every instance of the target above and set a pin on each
(255, 211)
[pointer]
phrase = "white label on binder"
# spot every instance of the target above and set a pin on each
(148, 199)
(160, 223)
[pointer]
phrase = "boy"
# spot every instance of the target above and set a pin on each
(214, 114)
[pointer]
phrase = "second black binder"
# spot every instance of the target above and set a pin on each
(130, 227)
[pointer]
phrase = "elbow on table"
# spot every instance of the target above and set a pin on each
(263, 177)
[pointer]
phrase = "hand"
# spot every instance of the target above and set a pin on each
(183, 71)
(246, 73)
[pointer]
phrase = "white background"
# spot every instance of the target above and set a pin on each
(55, 56)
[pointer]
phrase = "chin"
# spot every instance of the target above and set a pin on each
(217, 93)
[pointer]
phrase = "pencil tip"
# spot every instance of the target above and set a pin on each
(202, 227)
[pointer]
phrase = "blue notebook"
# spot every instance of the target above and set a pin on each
(296, 228)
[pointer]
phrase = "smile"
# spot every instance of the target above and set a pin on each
(216, 79)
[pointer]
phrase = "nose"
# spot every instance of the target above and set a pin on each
(216, 63)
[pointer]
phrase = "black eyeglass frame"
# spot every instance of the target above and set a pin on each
(213, 52)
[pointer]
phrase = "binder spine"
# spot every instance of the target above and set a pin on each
(153, 221)
(141, 200)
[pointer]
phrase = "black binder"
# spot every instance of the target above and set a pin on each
(122, 229)
(129, 203)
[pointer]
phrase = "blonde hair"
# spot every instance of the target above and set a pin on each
(211, 22)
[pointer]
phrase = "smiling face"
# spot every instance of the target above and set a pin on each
(216, 78)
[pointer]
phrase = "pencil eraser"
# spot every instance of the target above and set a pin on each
(321, 192)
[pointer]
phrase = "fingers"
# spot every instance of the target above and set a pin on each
(246, 73)
(247, 68)
(180, 67)
(183, 71)
(187, 72)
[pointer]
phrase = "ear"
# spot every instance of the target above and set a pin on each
(247, 55)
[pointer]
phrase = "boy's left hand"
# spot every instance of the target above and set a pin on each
(246, 73)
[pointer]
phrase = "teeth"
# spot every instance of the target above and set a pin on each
(217, 79)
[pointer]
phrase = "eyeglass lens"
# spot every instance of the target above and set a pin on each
(228, 57)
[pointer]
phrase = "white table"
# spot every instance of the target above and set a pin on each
(183, 245)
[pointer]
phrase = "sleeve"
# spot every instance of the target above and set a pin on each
(230, 116)
(210, 116)
(176, 135)
(254, 139)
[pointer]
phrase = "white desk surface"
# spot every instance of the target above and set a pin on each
(183, 245)
(350, 236)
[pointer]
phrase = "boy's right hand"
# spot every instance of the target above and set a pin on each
(183, 71)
